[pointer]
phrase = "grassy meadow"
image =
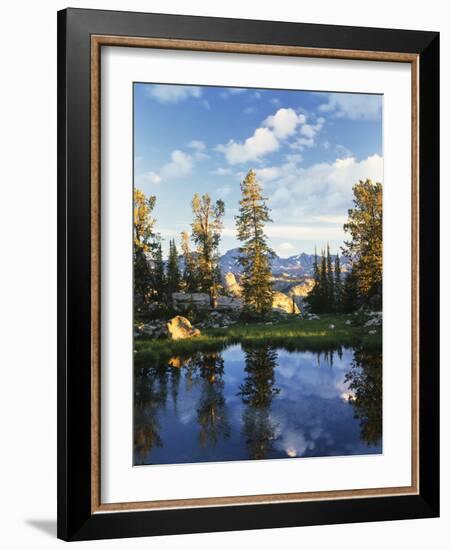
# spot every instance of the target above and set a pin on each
(297, 334)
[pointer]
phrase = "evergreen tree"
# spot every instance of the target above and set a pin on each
(257, 393)
(144, 240)
(312, 298)
(217, 275)
(206, 233)
(173, 272)
(350, 299)
(337, 284)
(159, 276)
(255, 255)
(364, 248)
(330, 291)
(323, 291)
(190, 279)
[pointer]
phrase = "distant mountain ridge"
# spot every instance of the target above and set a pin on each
(299, 265)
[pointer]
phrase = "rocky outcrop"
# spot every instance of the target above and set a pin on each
(303, 289)
(228, 303)
(284, 304)
(231, 285)
(180, 328)
(185, 300)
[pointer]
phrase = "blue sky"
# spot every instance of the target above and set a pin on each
(308, 149)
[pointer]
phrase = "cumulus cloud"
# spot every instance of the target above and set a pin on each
(166, 93)
(324, 189)
(197, 145)
(353, 106)
(275, 128)
(268, 173)
(284, 122)
(260, 143)
(151, 177)
(199, 148)
(181, 164)
(307, 135)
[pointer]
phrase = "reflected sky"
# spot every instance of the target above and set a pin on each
(242, 404)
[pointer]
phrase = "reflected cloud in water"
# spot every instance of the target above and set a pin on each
(245, 403)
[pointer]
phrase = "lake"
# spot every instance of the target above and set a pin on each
(246, 403)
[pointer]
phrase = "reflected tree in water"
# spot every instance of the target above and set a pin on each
(365, 385)
(257, 392)
(150, 395)
(211, 411)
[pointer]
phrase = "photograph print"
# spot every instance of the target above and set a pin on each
(257, 262)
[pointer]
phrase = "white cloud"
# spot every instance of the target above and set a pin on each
(199, 148)
(173, 93)
(353, 106)
(180, 165)
(266, 139)
(286, 246)
(197, 145)
(308, 134)
(150, 177)
(308, 130)
(324, 189)
(284, 122)
(261, 143)
(268, 173)
(294, 158)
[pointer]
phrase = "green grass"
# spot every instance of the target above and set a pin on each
(295, 334)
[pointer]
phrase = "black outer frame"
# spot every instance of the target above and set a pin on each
(75, 520)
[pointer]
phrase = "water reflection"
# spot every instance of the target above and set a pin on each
(365, 384)
(257, 393)
(258, 403)
(211, 411)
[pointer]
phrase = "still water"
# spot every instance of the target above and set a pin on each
(265, 403)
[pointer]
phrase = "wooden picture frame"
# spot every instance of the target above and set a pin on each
(81, 35)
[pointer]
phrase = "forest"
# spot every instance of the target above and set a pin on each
(242, 347)
(196, 268)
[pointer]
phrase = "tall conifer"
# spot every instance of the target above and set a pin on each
(173, 272)
(206, 233)
(254, 254)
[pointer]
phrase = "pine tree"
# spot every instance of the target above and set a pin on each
(144, 239)
(206, 232)
(350, 300)
(159, 276)
(312, 298)
(364, 248)
(323, 285)
(190, 278)
(330, 292)
(337, 284)
(173, 272)
(254, 254)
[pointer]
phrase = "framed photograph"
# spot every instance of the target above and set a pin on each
(248, 274)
